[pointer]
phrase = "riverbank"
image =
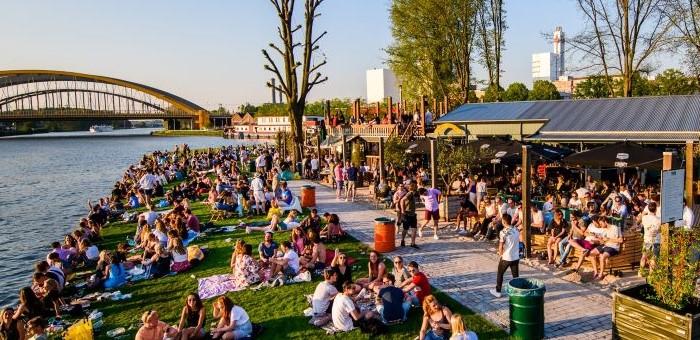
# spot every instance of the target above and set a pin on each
(187, 133)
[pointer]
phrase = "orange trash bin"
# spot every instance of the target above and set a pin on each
(384, 234)
(308, 196)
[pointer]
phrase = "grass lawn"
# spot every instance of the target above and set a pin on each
(279, 309)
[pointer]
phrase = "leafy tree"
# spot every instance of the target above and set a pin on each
(516, 92)
(493, 94)
(491, 27)
(297, 77)
(592, 87)
(544, 90)
(395, 152)
(247, 108)
(453, 159)
(673, 82)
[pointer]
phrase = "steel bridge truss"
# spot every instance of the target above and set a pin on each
(58, 95)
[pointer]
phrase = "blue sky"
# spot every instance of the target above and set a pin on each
(209, 51)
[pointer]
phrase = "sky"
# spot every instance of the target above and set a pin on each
(209, 52)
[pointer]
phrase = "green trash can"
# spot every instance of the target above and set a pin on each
(526, 308)
(251, 166)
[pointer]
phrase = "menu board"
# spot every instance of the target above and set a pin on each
(672, 191)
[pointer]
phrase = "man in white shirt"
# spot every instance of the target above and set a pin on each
(508, 249)
(315, 162)
(288, 264)
(324, 294)
(652, 237)
(260, 162)
(151, 215)
(688, 217)
(344, 312)
(258, 187)
(148, 183)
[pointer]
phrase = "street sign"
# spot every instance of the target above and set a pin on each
(672, 190)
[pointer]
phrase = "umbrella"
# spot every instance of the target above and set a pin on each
(510, 149)
(620, 155)
(419, 147)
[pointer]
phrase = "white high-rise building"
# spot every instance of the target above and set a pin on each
(381, 83)
(550, 65)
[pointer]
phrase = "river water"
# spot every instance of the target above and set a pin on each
(46, 180)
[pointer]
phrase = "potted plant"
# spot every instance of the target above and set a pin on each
(666, 306)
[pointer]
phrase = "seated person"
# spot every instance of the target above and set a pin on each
(192, 318)
(436, 317)
(376, 270)
(332, 230)
(267, 249)
(180, 263)
(537, 218)
(226, 202)
(556, 230)
(51, 299)
(459, 331)
(322, 301)
(153, 328)
(285, 197)
(417, 285)
(467, 210)
(340, 266)
(275, 224)
(234, 322)
(114, 274)
(37, 327)
(288, 264)
(313, 222)
(11, 328)
(88, 253)
(159, 264)
(344, 313)
(246, 271)
(391, 303)
(314, 256)
(594, 237)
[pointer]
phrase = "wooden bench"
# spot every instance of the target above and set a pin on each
(628, 258)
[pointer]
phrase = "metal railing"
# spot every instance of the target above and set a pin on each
(376, 130)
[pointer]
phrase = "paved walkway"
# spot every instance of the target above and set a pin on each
(466, 270)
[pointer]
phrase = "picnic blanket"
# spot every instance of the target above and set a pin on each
(191, 236)
(216, 285)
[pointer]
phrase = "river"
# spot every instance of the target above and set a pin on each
(45, 184)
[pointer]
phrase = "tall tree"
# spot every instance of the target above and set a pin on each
(516, 92)
(491, 27)
(460, 27)
(674, 82)
(295, 86)
(685, 17)
(544, 90)
(621, 37)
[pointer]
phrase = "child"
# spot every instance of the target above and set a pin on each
(459, 332)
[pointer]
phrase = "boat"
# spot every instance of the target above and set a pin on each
(101, 128)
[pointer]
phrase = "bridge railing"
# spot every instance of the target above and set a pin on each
(82, 113)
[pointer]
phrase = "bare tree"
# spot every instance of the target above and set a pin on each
(685, 17)
(491, 26)
(621, 38)
(461, 30)
(295, 91)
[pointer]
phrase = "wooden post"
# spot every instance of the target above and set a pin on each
(526, 177)
(382, 174)
(435, 102)
(345, 141)
(422, 113)
(433, 163)
(318, 147)
(446, 102)
(378, 105)
(389, 107)
(327, 112)
(665, 228)
(689, 154)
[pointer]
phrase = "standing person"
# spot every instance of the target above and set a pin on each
(351, 173)
(260, 162)
(338, 172)
(148, 183)
(409, 220)
(398, 195)
(480, 190)
(431, 199)
(258, 187)
(652, 238)
(509, 252)
(315, 162)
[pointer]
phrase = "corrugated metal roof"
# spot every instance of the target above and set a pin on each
(654, 137)
(657, 114)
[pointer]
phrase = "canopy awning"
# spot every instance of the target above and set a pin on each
(620, 155)
(509, 149)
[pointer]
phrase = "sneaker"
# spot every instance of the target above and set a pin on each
(420, 233)
(495, 293)
(436, 237)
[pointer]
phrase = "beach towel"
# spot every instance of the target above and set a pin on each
(330, 253)
(216, 285)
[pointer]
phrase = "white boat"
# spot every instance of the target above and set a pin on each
(101, 128)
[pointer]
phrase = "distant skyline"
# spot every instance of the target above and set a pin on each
(209, 51)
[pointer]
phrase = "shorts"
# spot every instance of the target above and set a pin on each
(608, 250)
(290, 272)
(319, 265)
(148, 192)
(259, 196)
(339, 184)
(352, 185)
(586, 244)
(409, 221)
(434, 215)
(654, 248)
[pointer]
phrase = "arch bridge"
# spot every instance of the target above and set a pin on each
(60, 95)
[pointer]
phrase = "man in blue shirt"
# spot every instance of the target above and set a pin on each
(391, 305)
(351, 172)
(286, 197)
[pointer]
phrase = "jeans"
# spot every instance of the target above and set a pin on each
(564, 249)
(430, 335)
(406, 305)
(503, 265)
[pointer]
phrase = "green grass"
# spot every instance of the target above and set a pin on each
(279, 309)
(177, 133)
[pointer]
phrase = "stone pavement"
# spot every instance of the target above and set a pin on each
(466, 270)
